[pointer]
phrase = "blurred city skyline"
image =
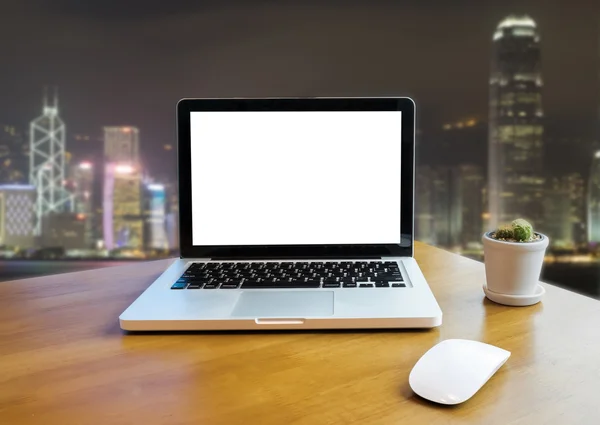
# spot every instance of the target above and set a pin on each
(125, 65)
(128, 64)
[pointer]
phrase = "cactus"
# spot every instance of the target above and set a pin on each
(504, 232)
(523, 231)
(518, 231)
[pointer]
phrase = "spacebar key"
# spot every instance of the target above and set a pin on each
(279, 285)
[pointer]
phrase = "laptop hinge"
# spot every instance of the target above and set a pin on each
(315, 257)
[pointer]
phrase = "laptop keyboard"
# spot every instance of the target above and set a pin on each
(275, 275)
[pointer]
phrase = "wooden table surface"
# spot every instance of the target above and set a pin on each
(64, 360)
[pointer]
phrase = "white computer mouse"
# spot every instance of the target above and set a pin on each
(452, 371)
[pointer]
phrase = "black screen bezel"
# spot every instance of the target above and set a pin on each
(403, 249)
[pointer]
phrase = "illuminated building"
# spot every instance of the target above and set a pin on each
(14, 156)
(83, 188)
(576, 191)
(155, 200)
(17, 215)
(63, 230)
(47, 162)
(123, 223)
(172, 217)
(564, 208)
(516, 123)
(438, 206)
(121, 145)
(449, 205)
(593, 207)
(424, 219)
(557, 208)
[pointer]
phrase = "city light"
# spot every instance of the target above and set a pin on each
(16, 187)
(156, 187)
(517, 21)
(523, 32)
(461, 124)
(85, 166)
(124, 169)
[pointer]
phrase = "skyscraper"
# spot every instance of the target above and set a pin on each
(47, 162)
(516, 123)
(121, 145)
(123, 221)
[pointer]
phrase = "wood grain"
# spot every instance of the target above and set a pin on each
(64, 360)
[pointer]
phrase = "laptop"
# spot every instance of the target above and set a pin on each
(295, 213)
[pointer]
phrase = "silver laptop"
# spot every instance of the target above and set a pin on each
(294, 214)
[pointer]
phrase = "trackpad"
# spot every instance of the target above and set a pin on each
(284, 304)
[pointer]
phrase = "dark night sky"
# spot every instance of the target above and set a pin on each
(128, 62)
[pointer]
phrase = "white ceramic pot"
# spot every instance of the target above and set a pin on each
(513, 268)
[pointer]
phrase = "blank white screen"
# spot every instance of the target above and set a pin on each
(295, 178)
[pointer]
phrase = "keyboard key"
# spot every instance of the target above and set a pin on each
(349, 285)
(382, 285)
(331, 285)
(179, 285)
(365, 285)
(230, 286)
(389, 277)
(194, 286)
(398, 284)
(211, 286)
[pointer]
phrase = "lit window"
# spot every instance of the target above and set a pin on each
(523, 32)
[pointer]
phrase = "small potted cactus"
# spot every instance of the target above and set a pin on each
(514, 256)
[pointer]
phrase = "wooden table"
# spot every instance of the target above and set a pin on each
(64, 360)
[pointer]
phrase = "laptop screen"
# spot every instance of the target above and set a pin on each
(295, 178)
